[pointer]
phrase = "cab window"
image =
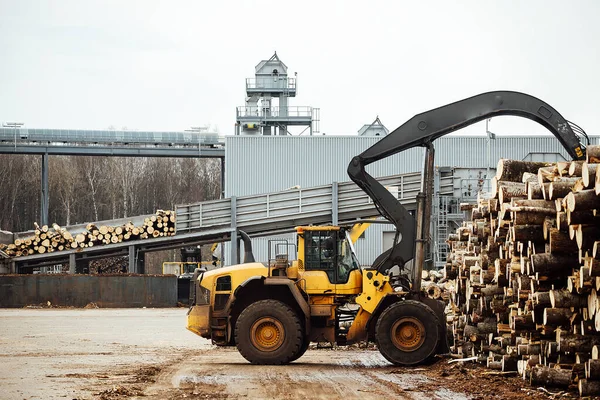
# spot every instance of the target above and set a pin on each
(320, 252)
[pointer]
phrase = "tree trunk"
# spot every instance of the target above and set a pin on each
(584, 200)
(582, 217)
(534, 191)
(556, 317)
(575, 168)
(588, 388)
(592, 369)
(541, 375)
(592, 154)
(509, 363)
(550, 264)
(560, 188)
(560, 243)
(568, 342)
(588, 174)
(509, 190)
(564, 299)
(525, 233)
(513, 170)
(585, 235)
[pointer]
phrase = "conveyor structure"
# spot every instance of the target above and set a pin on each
(258, 215)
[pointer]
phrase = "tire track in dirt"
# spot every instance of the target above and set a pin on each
(319, 374)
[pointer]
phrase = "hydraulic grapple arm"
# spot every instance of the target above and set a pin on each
(422, 130)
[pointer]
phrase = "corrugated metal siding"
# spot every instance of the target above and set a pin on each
(261, 164)
(371, 246)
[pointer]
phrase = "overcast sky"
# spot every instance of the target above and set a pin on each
(169, 65)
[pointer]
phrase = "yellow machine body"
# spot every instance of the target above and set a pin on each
(318, 290)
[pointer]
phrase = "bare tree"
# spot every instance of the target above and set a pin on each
(94, 173)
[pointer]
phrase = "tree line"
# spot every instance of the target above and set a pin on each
(86, 189)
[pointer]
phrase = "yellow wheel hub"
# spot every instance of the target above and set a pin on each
(408, 334)
(267, 334)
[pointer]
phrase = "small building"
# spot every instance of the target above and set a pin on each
(376, 128)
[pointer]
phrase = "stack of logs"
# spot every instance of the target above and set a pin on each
(435, 286)
(109, 265)
(49, 239)
(527, 274)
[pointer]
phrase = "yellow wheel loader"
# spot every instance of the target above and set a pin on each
(272, 312)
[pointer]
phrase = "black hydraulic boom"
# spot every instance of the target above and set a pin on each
(422, 130)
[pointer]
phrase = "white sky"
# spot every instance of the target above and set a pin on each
(169, 65)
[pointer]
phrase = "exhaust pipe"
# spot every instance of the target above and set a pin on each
(248, 255)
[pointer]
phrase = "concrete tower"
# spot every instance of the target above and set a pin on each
(267, 110)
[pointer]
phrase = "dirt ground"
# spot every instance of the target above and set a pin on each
(148, 354)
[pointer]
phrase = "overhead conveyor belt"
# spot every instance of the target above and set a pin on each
(266, 214)
(337, 203)
(258, 215)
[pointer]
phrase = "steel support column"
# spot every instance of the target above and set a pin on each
(234, 251)
(72, 264)
(334, 203)
(423, 218)
(132, 269)
(222, 177)
(428, 186)
(45, 196)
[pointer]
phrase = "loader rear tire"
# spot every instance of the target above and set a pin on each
(269, 332)
(407, 333)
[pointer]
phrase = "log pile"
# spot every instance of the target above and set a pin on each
(109, 265)
(435, 286)
(527, 274)
(48, 239)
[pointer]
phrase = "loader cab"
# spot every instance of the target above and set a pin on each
(328, 250)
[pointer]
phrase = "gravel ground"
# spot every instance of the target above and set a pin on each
(71, 353)
(148, 354)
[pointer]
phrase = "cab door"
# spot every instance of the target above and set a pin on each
(319, 261)
(349, 274)
(328, 263)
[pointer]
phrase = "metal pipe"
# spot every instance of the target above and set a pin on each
(45, 196)
(428, 186)
(248, 255)
(222, 177)
(419, 245)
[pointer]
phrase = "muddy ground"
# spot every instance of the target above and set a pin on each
(148, 354)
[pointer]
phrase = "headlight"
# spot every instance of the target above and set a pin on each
(202, 296)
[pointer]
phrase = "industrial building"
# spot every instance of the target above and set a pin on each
(262, 160)
(277, 146)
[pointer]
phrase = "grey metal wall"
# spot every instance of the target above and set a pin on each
(262, 164)
(80, 290)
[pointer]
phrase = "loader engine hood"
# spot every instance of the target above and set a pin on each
(239, 273)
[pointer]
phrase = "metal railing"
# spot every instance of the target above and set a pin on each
(275, 83)
(285, 209)
(108, 136)
(274, 112)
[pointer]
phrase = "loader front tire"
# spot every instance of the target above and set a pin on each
(301, 350)
(407, 333)
(269, 332)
